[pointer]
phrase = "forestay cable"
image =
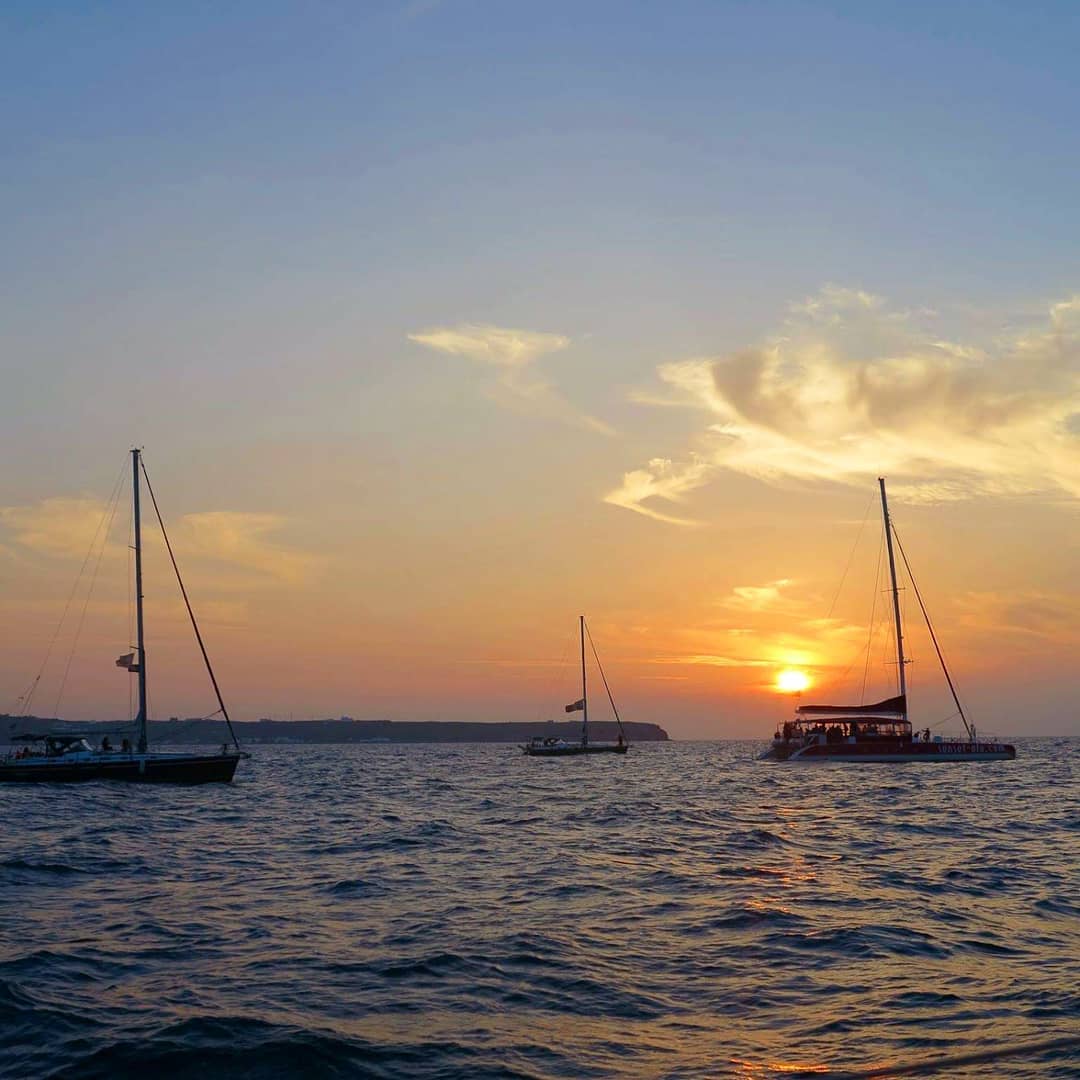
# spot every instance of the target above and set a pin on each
(191, 613)
(600, 666)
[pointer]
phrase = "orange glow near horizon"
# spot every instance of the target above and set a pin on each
(792, 681)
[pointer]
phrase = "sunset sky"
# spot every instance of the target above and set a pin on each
(442, 322)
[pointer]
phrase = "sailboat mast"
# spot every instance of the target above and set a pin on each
(141, 653)
(895, 593)
(584, 692)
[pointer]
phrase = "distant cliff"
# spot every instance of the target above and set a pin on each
(351, 731)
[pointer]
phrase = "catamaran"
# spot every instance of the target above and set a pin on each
(554, 747)
(881, 731)
(68, 756)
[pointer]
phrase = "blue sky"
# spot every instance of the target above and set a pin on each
(222, 226)
(755, 148)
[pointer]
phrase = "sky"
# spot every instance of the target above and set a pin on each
(444, 321)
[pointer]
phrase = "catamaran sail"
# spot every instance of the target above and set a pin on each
(881, 731)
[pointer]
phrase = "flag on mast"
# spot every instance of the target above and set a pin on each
(127, 661)
(576, 706)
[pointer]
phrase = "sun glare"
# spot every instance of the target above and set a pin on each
(791, 681)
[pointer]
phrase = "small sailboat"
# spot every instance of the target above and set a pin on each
(881, 731)
(554, 747)
(69, 756)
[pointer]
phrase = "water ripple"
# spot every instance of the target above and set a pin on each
(464, 911)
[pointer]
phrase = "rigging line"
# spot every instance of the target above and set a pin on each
(29, 694)
(851, 556)
(838, 683)
(873, 611)
(888, 645)
(600, 666)
(933, 638)
(17, 707)
(89, 593)
(909, 642)
(839, 680)
(554, 676)
(191, 613)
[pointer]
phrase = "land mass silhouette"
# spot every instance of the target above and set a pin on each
(347, 730)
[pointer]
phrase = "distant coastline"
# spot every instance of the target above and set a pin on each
(345, 730)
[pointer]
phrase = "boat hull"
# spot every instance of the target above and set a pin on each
(573, 751)
(132, 768)
(914, 752)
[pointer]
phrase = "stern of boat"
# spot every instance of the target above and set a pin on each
(778, 750)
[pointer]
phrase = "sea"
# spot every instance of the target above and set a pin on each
(444, 911)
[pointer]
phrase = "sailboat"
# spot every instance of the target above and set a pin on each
(69, 756)
(881, 731)
(554, 747)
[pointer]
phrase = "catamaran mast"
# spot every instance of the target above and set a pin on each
(140, 719)
(895, 593)
(584, 694)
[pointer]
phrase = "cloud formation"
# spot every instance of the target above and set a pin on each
(66, 527)
(756, 597)
(850, 389)
(58, 526)
(510, 355)
(663, 479)
(243, 540)
(1034, 614)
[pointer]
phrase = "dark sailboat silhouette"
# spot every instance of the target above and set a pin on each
(553, 747)
(68, 756)
(881, 731)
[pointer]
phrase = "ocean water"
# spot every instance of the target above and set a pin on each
(465, 911)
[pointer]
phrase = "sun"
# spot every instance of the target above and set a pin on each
(791, 681)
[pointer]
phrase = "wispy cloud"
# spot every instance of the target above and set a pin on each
(66, 527)
(850, 388)
(661, 479)
(57, 526)
(510, 355)
(711, 660)
(512, 663)
(825, 647)
(756, 597)
(1023, 613)
(243, 540)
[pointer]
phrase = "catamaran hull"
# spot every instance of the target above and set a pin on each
(570, 751)
(134, 768)
(933, 752)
